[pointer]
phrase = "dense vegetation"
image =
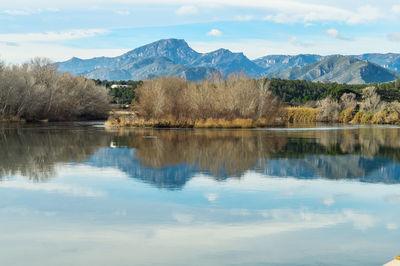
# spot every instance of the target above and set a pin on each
(372, 109)
(298, 92)
(35, 91)
(120, 94)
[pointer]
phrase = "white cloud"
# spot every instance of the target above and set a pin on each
(392, 226)
(123, 12)
(329, 201)
(360, 221)
(357, 11)
(52, 9)
(51, 36)
(10, 43)
(394, 37)
(183, 218)
(22, 12)
(393, 199)
(214, 32)
(366, 14)
(334, 33)
(187, 10)
(294, 11)
(244, 18)
(396, 9)
(53, 188)
(211, 197)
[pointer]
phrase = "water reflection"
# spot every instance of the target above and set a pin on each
(369, 154)
(244, 196)
(169, 158)
(34, 151)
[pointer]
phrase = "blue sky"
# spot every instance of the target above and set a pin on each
(87, 28)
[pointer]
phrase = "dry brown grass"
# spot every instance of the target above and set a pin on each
(300, 114)
(118, 119)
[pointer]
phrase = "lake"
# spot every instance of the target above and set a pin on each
(81, 194)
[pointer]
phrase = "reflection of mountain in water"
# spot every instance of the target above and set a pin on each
(377, 170)
(169, 158)
(170, 177)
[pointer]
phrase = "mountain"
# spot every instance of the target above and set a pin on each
(227, 62)
(178, 51)
(390, 61)
(169, 57)
(340, 69)
(279, 63)
(174, 57)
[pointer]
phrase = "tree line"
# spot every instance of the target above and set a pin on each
(291, 92)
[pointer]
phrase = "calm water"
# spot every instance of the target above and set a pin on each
(78, 194)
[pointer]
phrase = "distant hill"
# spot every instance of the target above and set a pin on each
(174, 57)
(279, 63)
(390, 61)
(340, 69)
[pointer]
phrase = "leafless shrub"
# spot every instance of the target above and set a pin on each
(329, 110)
(36, 91)
(394, 106)
(371, 100)
(177, 99)
(348, 100)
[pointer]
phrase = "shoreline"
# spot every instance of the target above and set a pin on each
(289, 115)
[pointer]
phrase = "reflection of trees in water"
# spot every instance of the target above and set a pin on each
(368, 142)
(227, 153)
(221, 153)
(337, 154)
(34, 151)
(171, 157)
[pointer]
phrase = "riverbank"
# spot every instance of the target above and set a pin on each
(128, 118)
(123, 118)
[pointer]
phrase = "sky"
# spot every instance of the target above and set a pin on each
(60, 29)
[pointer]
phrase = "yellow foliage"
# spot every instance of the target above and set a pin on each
(393, 118)
(379, 117)
(300, 114)
(362, 118)
(346, 115)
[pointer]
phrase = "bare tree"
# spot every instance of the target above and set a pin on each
(329, 110)
(348, 100)
(371, 100)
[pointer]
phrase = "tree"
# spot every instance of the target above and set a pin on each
(371, 100)
(329, 110)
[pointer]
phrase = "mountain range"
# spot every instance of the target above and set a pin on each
(174, 57)
(340, 69)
